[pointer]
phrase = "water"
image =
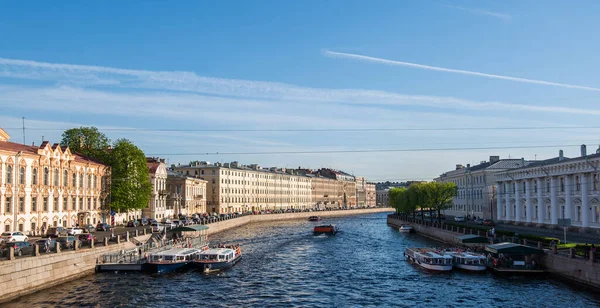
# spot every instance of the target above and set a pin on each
(284, 265)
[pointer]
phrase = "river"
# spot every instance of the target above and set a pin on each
(284, 265)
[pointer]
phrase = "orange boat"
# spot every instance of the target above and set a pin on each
(325, 229)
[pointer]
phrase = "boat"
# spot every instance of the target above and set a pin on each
(406, 229)
(170, 260)
(325, 229)
(314, 218)
(217, 259)
(469, 261)
(429, 258)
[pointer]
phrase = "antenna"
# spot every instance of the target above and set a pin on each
(23, 118)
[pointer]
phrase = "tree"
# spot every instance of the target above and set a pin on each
(87, 141)
(130, 187)
(438, 196)
(397, 198)
(416, 197)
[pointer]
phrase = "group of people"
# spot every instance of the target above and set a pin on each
(587, 249)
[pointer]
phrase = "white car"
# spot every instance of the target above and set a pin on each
(459, 218)
(157, 227)
(13, 237)
(75, 231)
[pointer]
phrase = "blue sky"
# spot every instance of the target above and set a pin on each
(189, 66)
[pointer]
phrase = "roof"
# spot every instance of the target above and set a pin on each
(472, 239)
(33, 150)
(189, 228)
(511, 248)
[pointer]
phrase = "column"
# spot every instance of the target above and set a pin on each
(585, 207)
(498, 200)
(518, 201)
(553, 202)
(540, 188)
(507, 200)
(529, 210)
(569, 184)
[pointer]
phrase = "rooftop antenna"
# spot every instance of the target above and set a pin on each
(23, 118)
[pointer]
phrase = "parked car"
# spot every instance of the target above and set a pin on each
(133, 223)
(157, 227)
(102, 227)
(479, 221)
(67, 242)
(459, 218)
(13, 237)
(21, 248)
(43, 242)
(488, 222)
(86, 238)
(56, 232)
(143, 221)
(74, 231)
(89, 229)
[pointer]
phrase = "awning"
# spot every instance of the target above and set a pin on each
(189, 228)
(511, 248)
(472, 239)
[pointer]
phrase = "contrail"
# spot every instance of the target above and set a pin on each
(335, 54)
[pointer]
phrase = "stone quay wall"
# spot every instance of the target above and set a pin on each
(221, 226)
(23, 276)
(564, 266)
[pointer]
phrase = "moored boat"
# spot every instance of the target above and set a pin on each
(325, 229)
(428, 258)
(217, 259)
(314, 218)
(406, 229)
(170, 260)
(469, 261)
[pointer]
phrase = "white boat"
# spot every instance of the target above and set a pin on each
(217, 259)
(428, 258)
(170, 260)
(469, 261)
(406, 229)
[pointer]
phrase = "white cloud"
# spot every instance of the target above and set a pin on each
(483, 12)
(335, 54)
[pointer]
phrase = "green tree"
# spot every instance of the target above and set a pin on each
(397, 198)
(416, 197)
(130, 187)
(87, 141)
(438, 196)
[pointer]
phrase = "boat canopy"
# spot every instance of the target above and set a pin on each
(189, 228)
(511, 248)
(472, 239)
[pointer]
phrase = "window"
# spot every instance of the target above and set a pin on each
(21, 227)
(562, 184)
(33, 226)
(65, 204)
(45, 204)
(595, 181)
(34, 175)
(21, 204)
(213, 172)
(74, 179)
(9, 174)
(95, 182)
(577, 184)
(548, 185)
(89, 184)
(22, 175)
(81, 180)
(56, 177)
(7, 202)
(202, 172)
(56, 204)
(46, 176)
(65, 178)
(34, 204)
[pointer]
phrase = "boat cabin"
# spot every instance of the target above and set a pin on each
(511, 257)
(176, 255)
(217, 255)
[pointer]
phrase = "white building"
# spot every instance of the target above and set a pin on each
(546, 191)
(157, 206)
(477, 186)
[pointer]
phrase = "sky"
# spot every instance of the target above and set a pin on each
(389, 90)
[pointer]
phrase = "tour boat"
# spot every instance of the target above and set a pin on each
(469, 261)
(428, 258)
(170, 260)
(217, 259)
(406, 229)
(314, 218)
(325, 229)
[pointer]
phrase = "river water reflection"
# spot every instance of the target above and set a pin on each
(285, 265)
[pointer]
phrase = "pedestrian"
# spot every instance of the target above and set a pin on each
(492, 231)
(586, 251)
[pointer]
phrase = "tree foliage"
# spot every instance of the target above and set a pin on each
(130, 186)
(433, 196)
(438, 196)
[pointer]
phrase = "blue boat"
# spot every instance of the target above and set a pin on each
(170, 260)
(217, 259)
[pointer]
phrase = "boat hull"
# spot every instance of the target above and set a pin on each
(163, 268)
(473, 268)
(209, 267)
(431, 267)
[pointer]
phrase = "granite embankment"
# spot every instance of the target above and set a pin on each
(232, 223)
(564, 265)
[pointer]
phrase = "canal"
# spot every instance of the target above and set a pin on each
(285, 265)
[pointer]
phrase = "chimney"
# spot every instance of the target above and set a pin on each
(459, 166)
(583, 150)
(522, 162)
(561, 156)
(468, 166)
(494, 159)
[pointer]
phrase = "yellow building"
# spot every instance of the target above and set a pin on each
(48, 185)
(186, 195)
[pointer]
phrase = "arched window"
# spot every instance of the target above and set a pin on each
(89, 184)
(9, 170)
(74, 179)
(56, 177)
(34, 176)
(22, 175)
(46, 175)
(65, 178)
(81, 180)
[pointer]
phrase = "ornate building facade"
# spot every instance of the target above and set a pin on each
(157, 206)
(48, 185)
(186, 195)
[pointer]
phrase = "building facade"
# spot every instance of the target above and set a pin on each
(361, 191)
(157, 206)
(371, 194)
(553, 189)
(233, 187)
(346, 186)
(48, 185)
(383, 197)
(477, 192)
(186, 195)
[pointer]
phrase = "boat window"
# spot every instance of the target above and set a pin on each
(168, 258)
